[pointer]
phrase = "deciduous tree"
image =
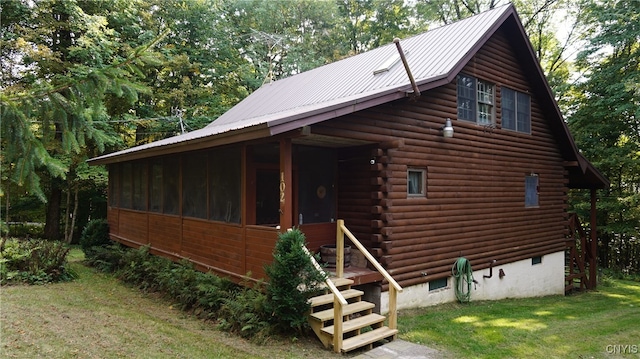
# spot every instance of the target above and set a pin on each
(605, 120)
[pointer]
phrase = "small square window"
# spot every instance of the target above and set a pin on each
(536, 260)
(438, 284)
(416, 182)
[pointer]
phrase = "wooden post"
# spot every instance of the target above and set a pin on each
(593, 260)
(286, 185)
(393, 312)
(339, 249)
(337, 324)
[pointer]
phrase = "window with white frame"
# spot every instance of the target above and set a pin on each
(476, 100)
(416, 182)
(516, 110)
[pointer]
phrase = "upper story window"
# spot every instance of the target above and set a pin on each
(516, 110)
(476, 100)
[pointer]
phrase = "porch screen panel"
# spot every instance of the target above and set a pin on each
(224, 185)
(155, 186)
(194, 185)
(114, 184)
(125, 185)
(139, 184)
(170, 185)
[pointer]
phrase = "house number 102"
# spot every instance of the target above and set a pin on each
(283, 186)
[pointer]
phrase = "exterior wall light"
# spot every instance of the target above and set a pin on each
(447, 129)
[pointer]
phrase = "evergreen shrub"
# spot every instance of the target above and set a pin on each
(95, 235)
(292, 280)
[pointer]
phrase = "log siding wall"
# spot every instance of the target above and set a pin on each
(474, 202)
(474, 205)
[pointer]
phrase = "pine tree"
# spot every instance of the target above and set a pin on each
(60, 63)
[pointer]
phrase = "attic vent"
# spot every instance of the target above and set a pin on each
(387, 65)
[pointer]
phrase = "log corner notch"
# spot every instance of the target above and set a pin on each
(381, 219)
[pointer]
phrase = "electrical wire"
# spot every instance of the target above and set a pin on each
(463, 275)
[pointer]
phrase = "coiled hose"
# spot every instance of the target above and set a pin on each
(463, 275)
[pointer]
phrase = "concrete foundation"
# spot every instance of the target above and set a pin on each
(521, 279)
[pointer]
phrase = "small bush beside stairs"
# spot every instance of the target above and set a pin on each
(361, 327)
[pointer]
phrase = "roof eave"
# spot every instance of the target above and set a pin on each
(285, 124)
(221, 139)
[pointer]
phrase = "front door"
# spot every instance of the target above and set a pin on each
(316, 185)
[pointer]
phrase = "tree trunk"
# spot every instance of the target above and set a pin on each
(5, 235)
(52, 224)
(66, 216)
(69, 238)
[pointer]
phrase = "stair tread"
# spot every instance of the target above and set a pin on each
(328, 298)
(357, 323)
(367, 338)
(350, 308)
(339, 282)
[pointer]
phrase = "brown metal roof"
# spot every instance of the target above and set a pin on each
(341, 87)
(336, 88)
(349, 85)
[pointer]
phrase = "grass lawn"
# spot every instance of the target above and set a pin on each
(601, 324)
(96, 316)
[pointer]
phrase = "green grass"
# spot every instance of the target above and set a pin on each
(584, 325)
(96, 316)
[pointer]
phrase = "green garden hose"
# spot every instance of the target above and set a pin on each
(463, 275)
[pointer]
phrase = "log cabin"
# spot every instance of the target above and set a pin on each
(443, 145)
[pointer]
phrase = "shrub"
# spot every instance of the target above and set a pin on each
(107, 259)
(35, 262)
(203, 293)
(252, 312)
(95, 235)
(211, 293)
(141, 268)
(26, 230)
(246, 313)
(292, 279)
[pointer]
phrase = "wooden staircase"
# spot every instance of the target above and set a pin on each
(359, 326)
(340, 318)
(578, 258)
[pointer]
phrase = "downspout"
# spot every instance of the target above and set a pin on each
(416, 91)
